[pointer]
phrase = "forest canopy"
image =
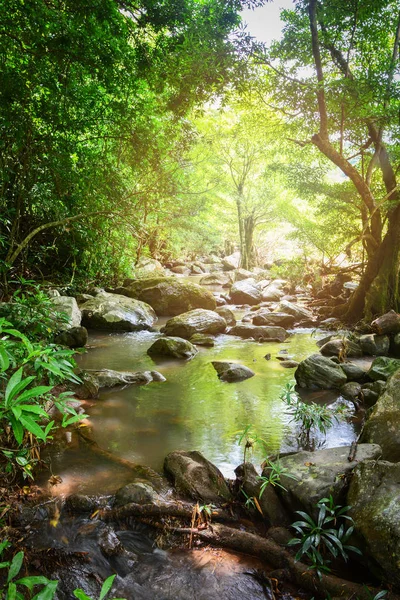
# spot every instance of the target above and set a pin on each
(163, 129)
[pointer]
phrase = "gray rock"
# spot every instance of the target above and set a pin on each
(193, 475)
(215, 279)
(231, 262)
(320, 474)
(274, 319)
(88, 389)
(202, 340)
(69, 307)
(271, 293)
(137, 492)
(382, 367)
(76, 337)
(351, 390)
(374, 496)
(369, 397)
(383, 424)
(227, 314)
(259, 332)
(195, 321)
(270, 504)
(230, 372)
(375, 345)
(387, 323)
(289, 364)
(341, 347)
(245, 292)
(82, 298)
(148, 267)
(353, 372)
(169, 296)
(319, 372)
(117, 313)
(109, 378)
(290, 308)
(395, 345)
(172, 346)
(241, 274)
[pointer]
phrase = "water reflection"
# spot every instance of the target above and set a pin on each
(192, 410)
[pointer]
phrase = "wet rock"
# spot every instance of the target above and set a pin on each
(76, 337)
(271, 293)
(271, 506)
(169, 296)
(351, 390)
(109, 378)
(181, 270)
(319, 372)
(109, 543)
(231, 372)
(137, 492)
(148, 267)
(353, 372)
(193, 475)
(320, 474)
(395, 345)
(227, 314)
(245, 292)
(375, 345)
(387, 323)
(289, 364)
(341, 347)
(369, 397)
(88, 389)
(82, 298)
(296, 310)
(202, 340)
(382, 367)
(195, 321)
(69, 307)
(274, 319)
(175, 347)
(80, 504)
(259, 332)
(374, 496)
(383, 424)
(117, 313)
(216, 279)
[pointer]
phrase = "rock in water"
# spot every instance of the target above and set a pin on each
(319, 372)
(169, 296)
(175, 347)
(261, 333)
(117, 313)
(245, 292)
(195, 321)
(231, 372)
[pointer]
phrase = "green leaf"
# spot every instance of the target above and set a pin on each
(48, 592)
(17, 428)
(12, 591)
(32, 408)
(33, 580)
(106, 587)
(35, 392)
(19, 387)
(80, 594)
(30, 424)
(4, 359)
(13, 381)
(15, 566)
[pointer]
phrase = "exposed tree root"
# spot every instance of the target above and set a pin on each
(296, 572)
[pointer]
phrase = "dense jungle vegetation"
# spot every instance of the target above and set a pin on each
(163, 129)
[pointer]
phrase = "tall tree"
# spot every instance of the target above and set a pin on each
(335, 73)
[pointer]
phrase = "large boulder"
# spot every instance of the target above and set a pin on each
(230, 372)
(216, 279)
(193, 475)
(263, 333)
(117, 313)
(147, 267)
(299, 312)
(319, 372)
(374, 496)
(271, 293)
(227, 314)
(241, 274)
(353, 372)
(75, 337)
(382, 367)
(194, 321)
(387, 323)
(231, 262)
(108, 378)
(341, 347)
(175, 347)
(245, 292)
(383, 424)
(375, 345)
(274, 319)
(319, 474)
(71, 313)
(169, 296)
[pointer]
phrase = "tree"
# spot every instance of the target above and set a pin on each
(334, 73)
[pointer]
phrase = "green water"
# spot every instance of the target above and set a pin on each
(192, 410)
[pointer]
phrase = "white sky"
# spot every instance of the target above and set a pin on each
(264, 22)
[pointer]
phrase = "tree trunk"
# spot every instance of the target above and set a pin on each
(247, 259)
